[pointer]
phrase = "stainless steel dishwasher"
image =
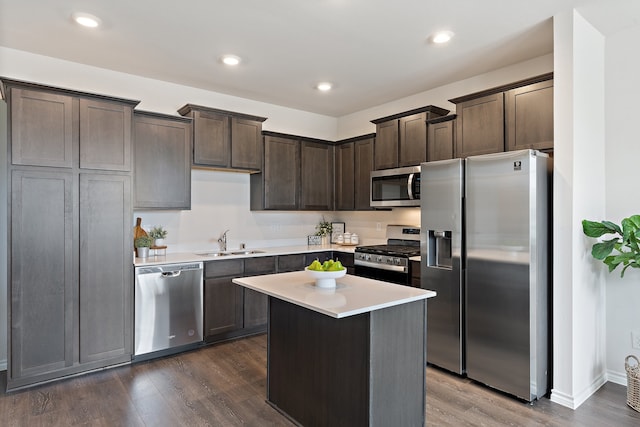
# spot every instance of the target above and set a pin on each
(168, 308)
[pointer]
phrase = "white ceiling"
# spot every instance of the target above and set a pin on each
(374, 51)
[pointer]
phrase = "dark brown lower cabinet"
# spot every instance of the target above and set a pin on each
(361, 370)
(231, 311)
(222, 298)
(255, 303)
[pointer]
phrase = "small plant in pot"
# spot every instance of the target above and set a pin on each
(142, 244)
(158, 234)
(324, 230)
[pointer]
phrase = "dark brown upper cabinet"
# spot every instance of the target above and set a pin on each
(441, 138)
(401, 139)
(46, 121)
(316, 176)
(354, 163)
(297, 174)
(162, 169)
(529, 117)
(42, 128)
(509, 117)
(225, 139)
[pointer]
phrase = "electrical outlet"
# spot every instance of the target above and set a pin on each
(378, 226)
(635, 339)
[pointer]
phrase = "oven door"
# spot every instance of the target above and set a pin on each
(396, 277)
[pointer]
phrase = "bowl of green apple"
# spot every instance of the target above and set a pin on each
(326, 273)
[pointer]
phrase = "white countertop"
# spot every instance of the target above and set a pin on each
(173, 258)
(352, 295)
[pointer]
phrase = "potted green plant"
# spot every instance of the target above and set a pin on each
(158, 234)
(142, 244)
(625, 242)
(324, 230)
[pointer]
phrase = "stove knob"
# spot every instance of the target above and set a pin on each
(389, 260)
(379, 258)
(398, 262)
(367, 257)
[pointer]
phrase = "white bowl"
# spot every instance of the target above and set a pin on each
(326, 279)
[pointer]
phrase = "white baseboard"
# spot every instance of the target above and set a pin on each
(573, 402)
(617, 377)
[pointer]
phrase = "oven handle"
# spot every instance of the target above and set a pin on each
(399, 268)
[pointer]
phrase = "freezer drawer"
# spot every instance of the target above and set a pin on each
(168, 307)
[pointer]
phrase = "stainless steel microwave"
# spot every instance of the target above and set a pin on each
(395, 187)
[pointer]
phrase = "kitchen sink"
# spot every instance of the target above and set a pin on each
(227, 253)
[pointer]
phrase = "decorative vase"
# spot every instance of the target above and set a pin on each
(325, 240)
(143, 252)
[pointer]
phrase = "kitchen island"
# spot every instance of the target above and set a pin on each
(353, 355)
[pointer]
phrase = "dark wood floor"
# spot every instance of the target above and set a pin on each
(224, 385)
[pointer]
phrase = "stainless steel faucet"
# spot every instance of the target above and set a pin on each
(222, 241)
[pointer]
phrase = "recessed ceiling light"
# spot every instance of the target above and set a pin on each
(230, 59)
(324, 86)
(86, 20)
(441, 37)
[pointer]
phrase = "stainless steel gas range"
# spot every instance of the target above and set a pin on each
(390, 262)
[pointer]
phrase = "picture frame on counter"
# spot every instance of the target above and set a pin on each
(314, 240)
(337, 228)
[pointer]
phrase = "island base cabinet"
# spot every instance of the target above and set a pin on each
(366, 369)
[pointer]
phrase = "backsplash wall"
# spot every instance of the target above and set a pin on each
(220, 201)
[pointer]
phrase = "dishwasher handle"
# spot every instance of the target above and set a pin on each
(170, 274)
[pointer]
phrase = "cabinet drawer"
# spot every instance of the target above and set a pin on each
(230, 267)
(259, 265)
(292, 262)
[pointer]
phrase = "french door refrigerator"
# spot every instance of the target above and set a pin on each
(504, 280)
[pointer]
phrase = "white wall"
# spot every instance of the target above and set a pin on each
(579, 332)
(359, 123)
(623, 151)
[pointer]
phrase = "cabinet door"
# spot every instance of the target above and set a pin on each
(211, 139)
(281, 173)
(480, 126)
(316, 173)
(412, 145)
(386, 153)
(43, 282)
(529, 117)
(41, 128)
(162, 169)
(106, 271)
(246, 144)
(441, 141)
(345, 176)
(256, 303)
(293, 262)
(222, 306)
(105, 135)
(363, 153)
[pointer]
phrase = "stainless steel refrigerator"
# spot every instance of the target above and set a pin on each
(503, 287)
(442, 269)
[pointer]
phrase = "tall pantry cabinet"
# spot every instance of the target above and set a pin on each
(70, 257)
